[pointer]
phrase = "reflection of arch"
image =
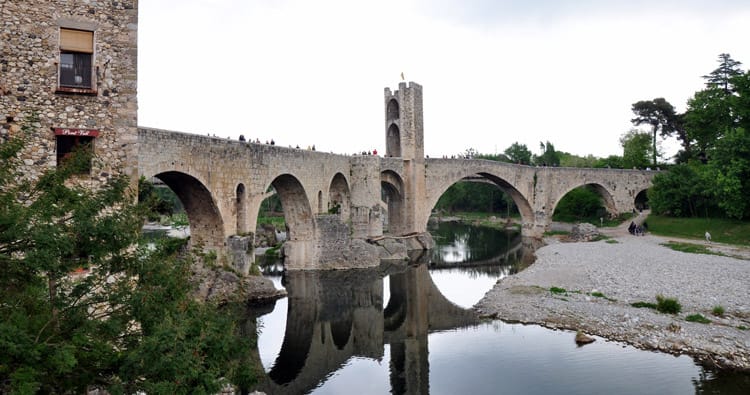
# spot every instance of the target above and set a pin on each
(341, 330)
(206, 225)
(607, 199)
(392, 193)
(338, 194)
(641, 200)
(296, 345)
(297, 211)
(392, 112)
(393, 142)
(240, 209)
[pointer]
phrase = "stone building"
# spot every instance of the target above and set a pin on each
(68, 69)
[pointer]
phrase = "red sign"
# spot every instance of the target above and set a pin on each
(76, 132)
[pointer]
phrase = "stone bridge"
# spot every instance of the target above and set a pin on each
(332, 203)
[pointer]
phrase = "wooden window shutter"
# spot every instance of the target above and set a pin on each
(76, 40)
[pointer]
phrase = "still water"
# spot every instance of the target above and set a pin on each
(406, 329)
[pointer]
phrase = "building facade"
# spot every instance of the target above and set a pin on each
(68, 73)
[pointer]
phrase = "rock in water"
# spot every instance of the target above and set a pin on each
(582, 338)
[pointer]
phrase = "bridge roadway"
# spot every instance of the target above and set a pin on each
(331, 201)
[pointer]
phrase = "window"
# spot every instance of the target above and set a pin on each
(76, 60)
(66, 145)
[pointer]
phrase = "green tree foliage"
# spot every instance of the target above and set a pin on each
(717, 121)
(681, 192)
(580, 204)
(722, 76)
(518, 154)
(662, 118)
(636, 149)
(610, 162)
(549, 156)
(570, 160)
(130, 324)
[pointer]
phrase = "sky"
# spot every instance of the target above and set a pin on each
(306, 72)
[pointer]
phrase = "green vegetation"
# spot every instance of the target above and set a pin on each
(130, 324)
(698, 318)
(667, 305)
(742, 327)
(718, 311)
(641, 305)
(476, 197)
(277, 221)
(662, 305)
(689, 248)
(611, 241)
(557, 290)
(730, 231)
(556, 233)
(712, 177)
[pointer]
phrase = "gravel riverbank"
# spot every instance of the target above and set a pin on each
(635, 269)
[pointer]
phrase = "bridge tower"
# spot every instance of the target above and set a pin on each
(404, 138)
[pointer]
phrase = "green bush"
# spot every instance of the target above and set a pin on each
(667, 305)
(556, 290)
(640, 305)
(718, 311)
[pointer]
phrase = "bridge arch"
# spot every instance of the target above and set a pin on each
(298, 214)
(607, 197)
(392, 194)
(523, 205)
(206, 224)
(339, 196)
(641, 200)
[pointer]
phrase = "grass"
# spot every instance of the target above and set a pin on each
(742, 327)
(594, 220)
(698, 318)
(641, 305)
(611, 241)
(718, 311)
(556, 233)
(667, 305)
(722, 230)
(690, 248)
(662, 305)
(598, 294)
(277, 221)
(558, 291)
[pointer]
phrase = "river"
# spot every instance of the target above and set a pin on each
(407, 329)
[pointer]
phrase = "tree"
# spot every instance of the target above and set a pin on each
(729, 170)
(660, 115)
(549, 156)
(130, 324)
(721, 77)
(681, 192)
(636, 149)
(518, 153)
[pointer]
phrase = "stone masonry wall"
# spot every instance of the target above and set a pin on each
(29, 61)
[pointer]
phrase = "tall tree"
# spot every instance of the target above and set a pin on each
(519, 154)
(636, 149)
(549, 156)
(722, 76)
(660, 115)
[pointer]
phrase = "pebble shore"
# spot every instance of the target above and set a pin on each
(630, 269)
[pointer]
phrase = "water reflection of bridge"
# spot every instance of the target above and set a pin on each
(336, 315)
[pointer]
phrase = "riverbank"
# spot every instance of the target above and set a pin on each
(633, 269)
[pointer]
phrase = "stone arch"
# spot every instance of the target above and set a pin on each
(393, 142)
(241, 208)
(392, 194)
(607, 198)
(206, 224)
(392, 112)
(320, 202)
(298, 215)
(641, 200)
(524, 207)
(338, 194)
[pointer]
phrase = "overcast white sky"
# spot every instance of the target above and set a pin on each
(493, 72)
